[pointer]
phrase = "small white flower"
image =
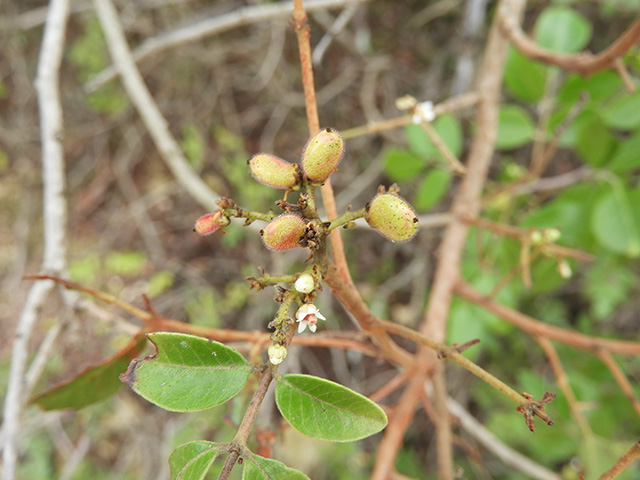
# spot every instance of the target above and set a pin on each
(308, 315)
(277, 353)
(423, 113)
(305, 283)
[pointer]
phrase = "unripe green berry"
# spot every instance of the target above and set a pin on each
(283, 232)
(274, 171)
(322, 154)
(392, 216)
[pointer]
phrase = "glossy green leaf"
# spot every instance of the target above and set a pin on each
(524, 78)
(432, 189)
(615, 221)
(401, 165)
(187, 373)
(594, 142)
(562, 30)
(623, 113)
(93, 384)
(192, 460)
(260, 468)
(515, 127)
(326, 410)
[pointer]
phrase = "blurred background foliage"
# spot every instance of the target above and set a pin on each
(239, 93)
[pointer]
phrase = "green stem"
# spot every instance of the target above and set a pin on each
(346, 218)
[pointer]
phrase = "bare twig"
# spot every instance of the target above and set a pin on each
(207, 27)
(494, 445)
(55, 219)
(583, 63)
(624, 461)
(148, 110)
(540, 329)
(343, 19)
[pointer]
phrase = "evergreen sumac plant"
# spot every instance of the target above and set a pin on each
(190, 373)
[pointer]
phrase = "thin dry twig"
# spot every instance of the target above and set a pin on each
(55, 219)
(206, 27)
(584, 63)
(537, 328)
(148, 110)
(621, 378)
(622, 464)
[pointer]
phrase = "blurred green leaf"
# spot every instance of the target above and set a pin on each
(515, 127)
(159, 283)
(627, 156)
(193, 145)
(192, 460)
(562, 30)
(607, 285)
(594, 142)
(93, 384)
(129, 262)
(260, 468)
(623, 113)
(524, 78)
(432, 189)
(616, 221)
(326, 410)
(187, 373)
(448, 128)
(401, 165)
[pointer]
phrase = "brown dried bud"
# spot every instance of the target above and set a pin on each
(392, 216)
(322, 154)
(283, 232)
(274, 171)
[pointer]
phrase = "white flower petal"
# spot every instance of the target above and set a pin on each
(302, 326)
(313, 327)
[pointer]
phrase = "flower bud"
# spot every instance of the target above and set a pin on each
(392, 216)
(274, 171)
(277, 353)
(283, 232)
(322, 154)
(304, 283)
(552, 235)
(209, 223)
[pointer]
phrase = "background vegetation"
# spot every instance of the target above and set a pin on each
(567, 158)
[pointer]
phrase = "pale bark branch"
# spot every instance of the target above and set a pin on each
(55, 220)
(148, 109)
(208, 27)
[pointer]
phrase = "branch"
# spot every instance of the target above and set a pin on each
(200, 29)
(537, 328)
(55, 219)
(626, 460)
(145, 105)
(583, 63)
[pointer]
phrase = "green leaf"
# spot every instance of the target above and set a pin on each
(515, 127)
(449, 130)
(607, 285)
(92, 384)
(128, 262)
(623, 113)
(260, 468)
(524, 78)
(401, 165)
(432, 189)
(627, 156)
(594, 142)
(615, 221)
(562, 30)
(192, 460)
(328, 411)
(193, 145)
(187, 373)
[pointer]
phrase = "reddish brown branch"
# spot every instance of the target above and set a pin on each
(584, 63)
(537, 328)
(621, 378)
(626, 460)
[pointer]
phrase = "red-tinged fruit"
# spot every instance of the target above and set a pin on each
(209, 223)
(322, 154)
(283, 232)
(392, 216)
(274, 171)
